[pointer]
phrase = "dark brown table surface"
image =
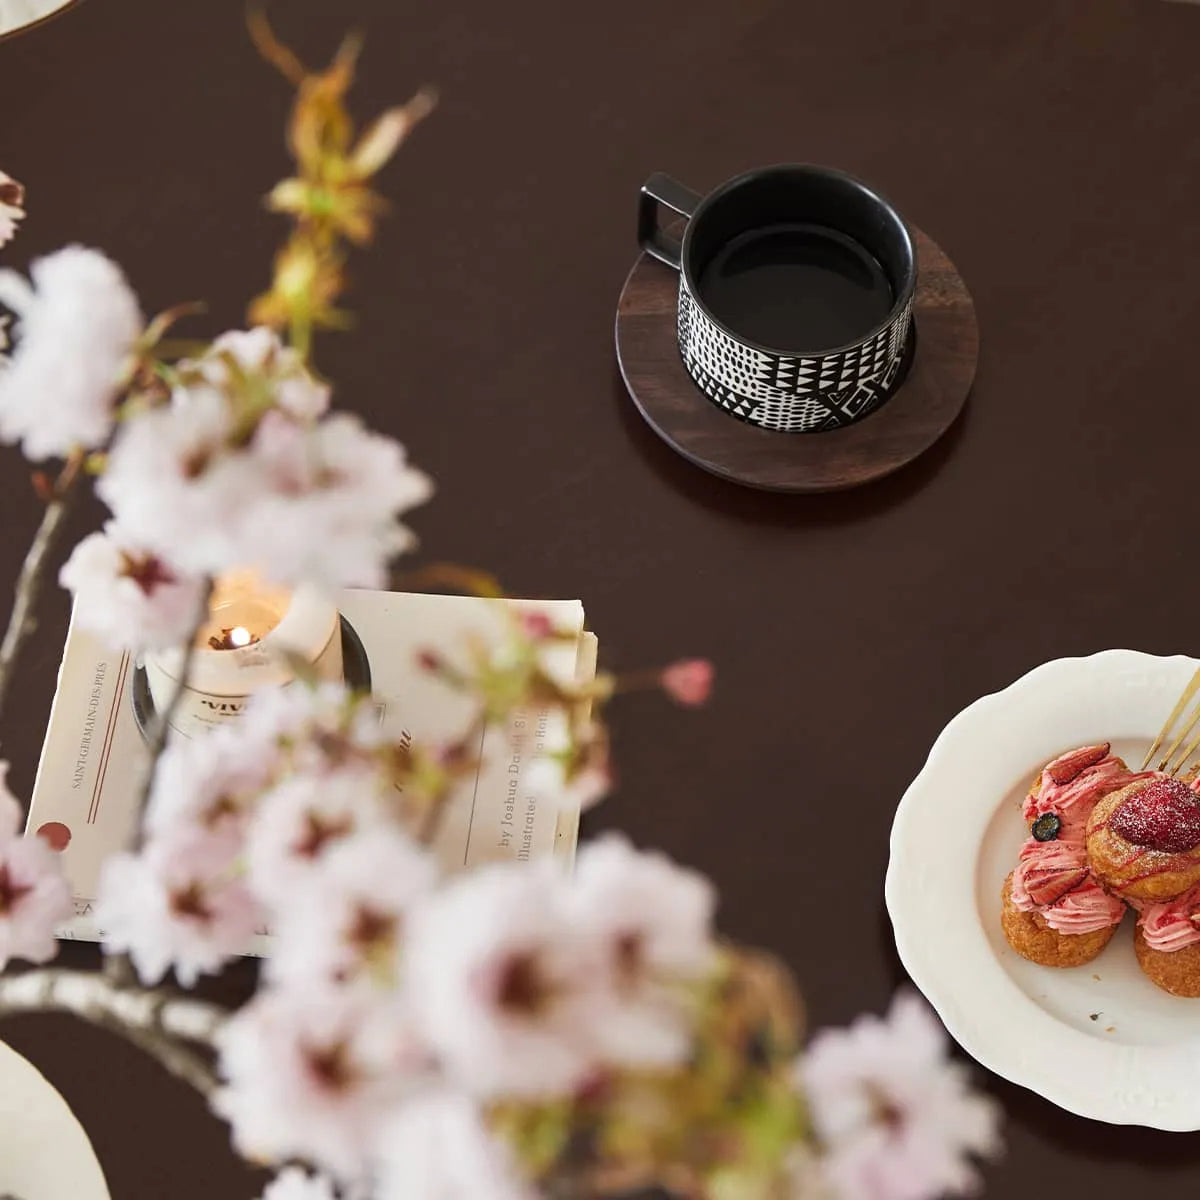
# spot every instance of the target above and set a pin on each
(1050, 146)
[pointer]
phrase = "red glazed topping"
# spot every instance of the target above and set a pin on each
(1164, 816)
(1064, 768)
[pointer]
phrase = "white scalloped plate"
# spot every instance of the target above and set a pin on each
(44, 1152)
(955, 837)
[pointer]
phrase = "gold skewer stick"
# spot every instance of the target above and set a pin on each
(1188, 692)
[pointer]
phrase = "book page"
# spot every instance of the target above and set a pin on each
(94, 758)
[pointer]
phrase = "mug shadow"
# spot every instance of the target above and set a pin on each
(1044, 1121)
(792, 510)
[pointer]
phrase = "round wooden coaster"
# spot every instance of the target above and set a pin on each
(944, 351)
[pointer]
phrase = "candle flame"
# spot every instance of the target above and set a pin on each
(239, 636)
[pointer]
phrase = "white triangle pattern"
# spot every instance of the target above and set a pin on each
(782, 391)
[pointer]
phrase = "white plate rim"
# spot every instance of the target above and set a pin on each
(944, 947)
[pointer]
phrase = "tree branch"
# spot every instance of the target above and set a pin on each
(156, 1021)
(160, 728)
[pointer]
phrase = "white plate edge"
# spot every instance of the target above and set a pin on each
(1102, 1105)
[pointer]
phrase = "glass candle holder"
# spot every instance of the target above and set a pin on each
(251, 640)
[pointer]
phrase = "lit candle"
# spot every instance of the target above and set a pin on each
(250, 640)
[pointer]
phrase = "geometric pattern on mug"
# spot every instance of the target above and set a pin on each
(785, 392)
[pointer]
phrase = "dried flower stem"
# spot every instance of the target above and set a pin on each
(21, 621)
(156, 1021)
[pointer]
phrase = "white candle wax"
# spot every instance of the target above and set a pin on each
(248, 643)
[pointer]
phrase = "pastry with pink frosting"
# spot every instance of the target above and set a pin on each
(1143, 840)
(1167, 943)
(1055, 912)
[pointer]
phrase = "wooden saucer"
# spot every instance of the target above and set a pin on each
(944, 353)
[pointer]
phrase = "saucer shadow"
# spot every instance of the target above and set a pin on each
(780, 508)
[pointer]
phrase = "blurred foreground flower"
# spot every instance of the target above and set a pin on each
(895, 1117)
(130, 597)
(689, 681)
(295, 1184)
(243, 448)
(34, 897)
(12, 197)
(77, 328)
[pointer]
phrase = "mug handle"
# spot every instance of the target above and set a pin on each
(658, 190)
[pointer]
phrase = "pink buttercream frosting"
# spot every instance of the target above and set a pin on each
(1088, 908)
(1173, 925)
(1084, 908)
(1058, 868)
(1073, 801)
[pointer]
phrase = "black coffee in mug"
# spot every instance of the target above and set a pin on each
(795, 292)
(796, 285)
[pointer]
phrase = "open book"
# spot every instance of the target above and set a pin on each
(93, 758)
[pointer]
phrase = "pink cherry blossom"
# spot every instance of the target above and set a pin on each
(500, 982)
(299, 821)
(240, 452)
(651, 923)
(295, 1184)
(314, 1073)
(895, 1118)
(333, 499)
(160, 497)
(12, 197)
(348, 923)
(689, 681)
(211, 784)
(77, 327)
(181, 902)
(130, 597)
(438, 1148)
(34, 899)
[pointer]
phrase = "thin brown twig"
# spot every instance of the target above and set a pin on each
(21, 620)
(160, 728)
(183, 1063)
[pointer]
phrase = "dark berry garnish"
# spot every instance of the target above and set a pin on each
(1164, 815)
(1046, 827)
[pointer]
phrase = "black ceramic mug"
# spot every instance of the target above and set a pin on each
(795, 292)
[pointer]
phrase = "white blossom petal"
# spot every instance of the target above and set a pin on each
(295, 1184)
(437, 1148)
(181, 902)
(34, 899)
(500, 983)
(128, 596)
(651, 922)
(194, 480)
(895, 1118)
(76, 329)
(314, 1073)
(347, 922)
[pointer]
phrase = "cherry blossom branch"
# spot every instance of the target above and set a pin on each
(156, 1021)
(160, 728)
(21, 620)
